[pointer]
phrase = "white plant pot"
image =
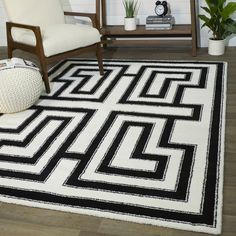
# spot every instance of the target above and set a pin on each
(130, 24)
(216, 47)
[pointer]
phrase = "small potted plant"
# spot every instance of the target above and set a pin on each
(220, 23)
(131, 8)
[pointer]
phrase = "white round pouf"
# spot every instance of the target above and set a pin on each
(20, 88)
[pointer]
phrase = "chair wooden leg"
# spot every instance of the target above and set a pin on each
(9, 51)
(99, 58)
(44, 69)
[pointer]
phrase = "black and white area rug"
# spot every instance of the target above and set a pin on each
(144, 143)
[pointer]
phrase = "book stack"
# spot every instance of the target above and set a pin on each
(159, 23)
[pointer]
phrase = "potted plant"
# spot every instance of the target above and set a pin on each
(131, 7)
(219, 22)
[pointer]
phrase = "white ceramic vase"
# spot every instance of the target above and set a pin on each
(130, 24)
(216, 47)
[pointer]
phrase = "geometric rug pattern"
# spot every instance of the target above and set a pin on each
(143, 143)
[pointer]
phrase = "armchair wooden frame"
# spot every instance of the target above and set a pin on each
(38, 48)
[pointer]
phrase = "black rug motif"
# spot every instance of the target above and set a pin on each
(143, 143)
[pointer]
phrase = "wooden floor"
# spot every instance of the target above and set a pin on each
(26, 221)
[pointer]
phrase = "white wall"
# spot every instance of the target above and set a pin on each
(2, 25)
(115, 14)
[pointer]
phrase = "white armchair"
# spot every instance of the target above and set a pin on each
(39, 27)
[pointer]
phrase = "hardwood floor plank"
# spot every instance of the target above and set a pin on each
(48, 217)
(19, 228)
(92, 233)
(131, 229)
(229, 225)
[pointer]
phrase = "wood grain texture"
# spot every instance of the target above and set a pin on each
(26, 221)
(20, 228)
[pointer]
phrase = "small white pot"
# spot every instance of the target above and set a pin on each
(130, 24)
(216, 47)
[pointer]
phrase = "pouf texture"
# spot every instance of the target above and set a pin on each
(20, 88)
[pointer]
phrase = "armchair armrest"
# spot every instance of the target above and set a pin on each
(92, 16)
(36, 30)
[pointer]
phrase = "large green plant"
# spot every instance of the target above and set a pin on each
(131, 6)
(218, 19)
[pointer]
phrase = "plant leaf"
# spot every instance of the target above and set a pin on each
(230, 26)
(206, 9)
(131, 6)
(204, 18)
(228, 10)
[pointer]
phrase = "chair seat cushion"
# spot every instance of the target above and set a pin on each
(61, 37)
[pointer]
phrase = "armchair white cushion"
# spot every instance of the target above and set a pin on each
(57, 36)
(60, 38)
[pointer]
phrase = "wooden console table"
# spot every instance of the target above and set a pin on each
(113, 32)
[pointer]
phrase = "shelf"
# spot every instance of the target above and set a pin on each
(181, 34)
(118, 31)
(147, 42)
